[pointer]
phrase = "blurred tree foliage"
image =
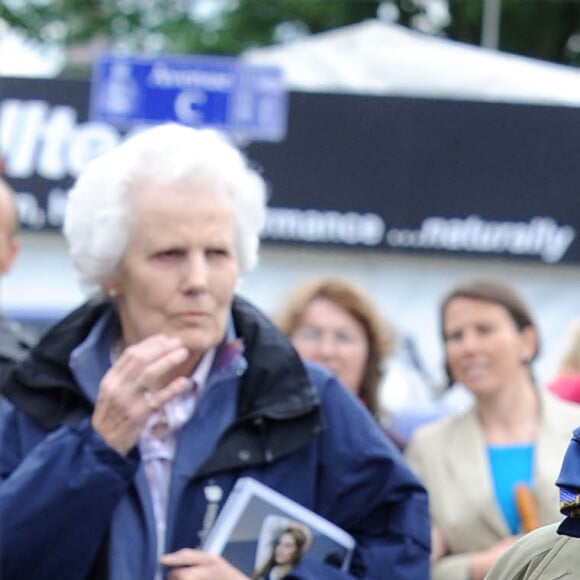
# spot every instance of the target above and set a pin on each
(545, 29)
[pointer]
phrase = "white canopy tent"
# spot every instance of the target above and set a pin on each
(374, 57)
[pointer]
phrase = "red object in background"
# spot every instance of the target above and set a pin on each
(567, 387)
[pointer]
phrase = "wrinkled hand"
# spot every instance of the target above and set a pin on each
(136, 386)
(190, 564)
(481, 562)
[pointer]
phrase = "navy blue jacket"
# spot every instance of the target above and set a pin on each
(72, 508)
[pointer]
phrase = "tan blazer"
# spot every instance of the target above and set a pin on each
(449, 457)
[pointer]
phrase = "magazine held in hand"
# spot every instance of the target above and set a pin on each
(253, 519)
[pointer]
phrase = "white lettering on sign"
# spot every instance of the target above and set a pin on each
(32, 215)
(324, 226)
(36, 138)
(186, 104)
(55, 206)
(541, 236)
(165, 76)
(21, 125)
(29, 211)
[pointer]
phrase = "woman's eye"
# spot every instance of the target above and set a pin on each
(485, 329)
(308, 333)
(217, 252)
(172, 254)
(452, 337)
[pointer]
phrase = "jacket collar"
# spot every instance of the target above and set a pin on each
(275, 386)
(278, 407)
(14, 344)
(42, 386)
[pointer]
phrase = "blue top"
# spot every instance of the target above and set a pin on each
(510, 464)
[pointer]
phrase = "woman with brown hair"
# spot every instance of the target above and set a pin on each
(474, 463)
(290, 545)
(336, 323)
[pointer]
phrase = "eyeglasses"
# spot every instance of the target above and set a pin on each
(316, 336)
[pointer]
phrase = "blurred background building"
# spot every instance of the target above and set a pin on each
(414, 156)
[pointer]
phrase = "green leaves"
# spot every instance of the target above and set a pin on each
(538, 28)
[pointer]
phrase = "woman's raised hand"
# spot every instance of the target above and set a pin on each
(139, 383)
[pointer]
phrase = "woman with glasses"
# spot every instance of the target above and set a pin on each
(291, 543)
(336, 324)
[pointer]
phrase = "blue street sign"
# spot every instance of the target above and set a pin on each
(224, 93)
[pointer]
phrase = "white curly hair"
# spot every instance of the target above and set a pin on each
(98, 224)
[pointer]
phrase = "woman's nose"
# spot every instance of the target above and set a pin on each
(327, 345)
(469, 342)
(195, 276)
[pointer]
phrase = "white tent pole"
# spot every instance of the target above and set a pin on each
(490, 23)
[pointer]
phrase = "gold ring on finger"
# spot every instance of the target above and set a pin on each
(143, 388)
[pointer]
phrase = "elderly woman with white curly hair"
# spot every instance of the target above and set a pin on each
(134, 416)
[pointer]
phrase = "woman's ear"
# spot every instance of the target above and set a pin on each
(529, 338)
(110, 287)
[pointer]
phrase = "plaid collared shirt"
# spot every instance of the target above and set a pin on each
(157, 444)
